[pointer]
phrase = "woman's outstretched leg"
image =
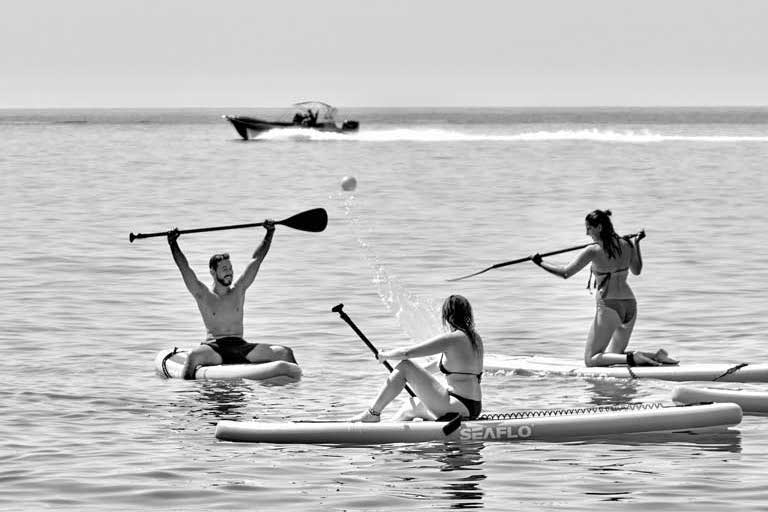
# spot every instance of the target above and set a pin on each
(432, 393)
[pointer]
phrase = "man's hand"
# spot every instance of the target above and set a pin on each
(536, 258)
(263, 247)
(173, 235)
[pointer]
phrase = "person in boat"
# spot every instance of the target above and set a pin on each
(461, 361)
(612, 258)
(311, 118)
(298, 118)
(222, 310)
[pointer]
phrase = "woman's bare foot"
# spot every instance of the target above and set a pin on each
(644, 359)
(369, 416)
(662, 356)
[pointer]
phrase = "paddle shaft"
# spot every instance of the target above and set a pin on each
(200, 230)
(345, 317)
(310, 220)
(529, 258)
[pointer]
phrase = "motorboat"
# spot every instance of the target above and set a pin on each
(309, 115)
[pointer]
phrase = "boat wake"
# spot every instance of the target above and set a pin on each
(443, 135)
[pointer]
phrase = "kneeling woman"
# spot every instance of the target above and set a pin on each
(461, 360)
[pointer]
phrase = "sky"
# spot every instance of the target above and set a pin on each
(194, 53)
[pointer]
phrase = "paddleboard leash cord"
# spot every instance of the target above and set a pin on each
(729, 371)
(533, 413)
(165, 360)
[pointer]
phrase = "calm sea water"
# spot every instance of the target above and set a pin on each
(88, 425)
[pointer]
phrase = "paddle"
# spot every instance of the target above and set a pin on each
(314, 220)
(345, 317)
(452, 419)
(529, 258)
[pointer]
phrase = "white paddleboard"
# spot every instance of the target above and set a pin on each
(721, 372)
(750, 401)
(170, 363)
(542, 425)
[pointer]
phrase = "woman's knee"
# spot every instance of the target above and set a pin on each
(401, 371)
(406, 366)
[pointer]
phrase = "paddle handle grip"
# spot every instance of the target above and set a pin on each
(339, 309)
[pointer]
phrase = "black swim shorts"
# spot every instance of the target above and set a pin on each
(232, 349)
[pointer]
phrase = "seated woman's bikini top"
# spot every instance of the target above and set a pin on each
(445, 371)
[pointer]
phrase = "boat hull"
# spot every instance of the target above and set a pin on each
(541, 425)
(251, 127)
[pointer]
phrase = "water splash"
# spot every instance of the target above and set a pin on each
(418, 316)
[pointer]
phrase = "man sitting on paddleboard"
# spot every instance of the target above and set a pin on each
(222, 310)
(461, 360)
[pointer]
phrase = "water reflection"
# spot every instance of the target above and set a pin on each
(721, 441)
(464, 490)
(465, 493)
(222, 399)
(611, 391)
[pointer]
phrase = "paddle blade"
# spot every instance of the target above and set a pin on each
(314, 220)
(469, 275)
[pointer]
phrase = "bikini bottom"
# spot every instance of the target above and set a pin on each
(473, 406)
(625, 308)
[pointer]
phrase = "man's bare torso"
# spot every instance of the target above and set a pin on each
(222, 314)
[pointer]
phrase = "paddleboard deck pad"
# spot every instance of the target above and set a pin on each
(541, 425)
(170, 363)
(720, 372)
(750, 401)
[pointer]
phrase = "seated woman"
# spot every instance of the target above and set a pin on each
(461, 360)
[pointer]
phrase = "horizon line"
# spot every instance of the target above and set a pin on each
(199, 107)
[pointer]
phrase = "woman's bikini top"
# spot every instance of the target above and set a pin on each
(607, 279)
(604, 282)
(445, 371)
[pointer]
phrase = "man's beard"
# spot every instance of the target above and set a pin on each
(224, 281)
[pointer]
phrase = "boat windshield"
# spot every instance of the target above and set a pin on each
(321, 112)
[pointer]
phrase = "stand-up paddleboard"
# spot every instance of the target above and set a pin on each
(170, 363)
(721, 372)
(750, 401)
(542, 425)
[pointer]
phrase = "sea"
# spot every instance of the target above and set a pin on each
(88, 424)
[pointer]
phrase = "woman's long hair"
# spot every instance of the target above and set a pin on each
(457, 313)
(608, 237)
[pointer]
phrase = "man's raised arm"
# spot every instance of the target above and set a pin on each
(258, 256)
(190, 279)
